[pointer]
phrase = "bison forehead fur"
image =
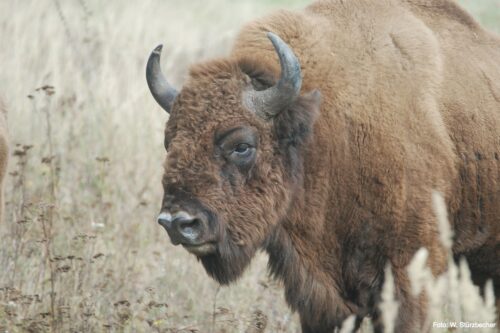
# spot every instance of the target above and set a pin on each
(340, 186)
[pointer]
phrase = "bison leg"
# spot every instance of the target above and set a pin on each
(485, 265)
(411, 311)
(410, 318)
(317, 327)
(306, 328)
(322, 327)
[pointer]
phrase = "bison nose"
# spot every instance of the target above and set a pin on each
(182, 227)
(165, 220)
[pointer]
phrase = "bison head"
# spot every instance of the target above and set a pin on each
(235, 141)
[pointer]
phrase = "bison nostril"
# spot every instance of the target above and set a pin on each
(189, 228)
(182, 227)
(165, 220)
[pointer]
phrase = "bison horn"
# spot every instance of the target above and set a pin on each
(268, 103)
(161, 90)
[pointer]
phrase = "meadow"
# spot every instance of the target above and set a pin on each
(80, 247)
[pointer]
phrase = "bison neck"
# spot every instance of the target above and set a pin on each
(309, 288)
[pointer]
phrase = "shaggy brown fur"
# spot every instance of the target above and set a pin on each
(342, 186)
(4, 153)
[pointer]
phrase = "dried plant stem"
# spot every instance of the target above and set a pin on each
(47, 241)
(50, 144)
(18, 230)
(214, 315)
(48, 219)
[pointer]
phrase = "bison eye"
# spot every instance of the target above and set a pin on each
(242, 153)
(238, 146)
(242, 149)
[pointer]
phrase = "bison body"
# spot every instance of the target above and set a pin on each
(334, 188)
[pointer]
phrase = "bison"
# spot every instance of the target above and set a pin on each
(320, 140)
(4, 153)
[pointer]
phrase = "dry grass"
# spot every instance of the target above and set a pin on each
(81, 251)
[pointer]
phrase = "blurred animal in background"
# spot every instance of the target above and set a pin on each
(4, 153)
(320, 139)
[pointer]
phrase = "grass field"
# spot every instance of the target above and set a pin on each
(80, 249)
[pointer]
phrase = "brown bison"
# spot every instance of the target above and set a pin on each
(323, 148)
(4, 153)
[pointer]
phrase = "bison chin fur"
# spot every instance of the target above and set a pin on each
(228, 262)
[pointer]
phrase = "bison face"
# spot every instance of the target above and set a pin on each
(234, 156)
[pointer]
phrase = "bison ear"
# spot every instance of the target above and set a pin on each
(294, 126)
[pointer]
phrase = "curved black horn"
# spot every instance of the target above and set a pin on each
(161, 90)
(268, 103)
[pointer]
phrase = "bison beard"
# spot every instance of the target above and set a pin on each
(229, 262)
